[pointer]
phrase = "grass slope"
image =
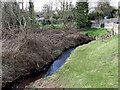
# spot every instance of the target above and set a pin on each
(94, 65)
(98, 32)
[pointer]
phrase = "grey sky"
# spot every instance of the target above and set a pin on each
(38, 4)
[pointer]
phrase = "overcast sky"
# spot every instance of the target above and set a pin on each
(38, 4)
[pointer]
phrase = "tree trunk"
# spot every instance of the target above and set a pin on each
(63, 12)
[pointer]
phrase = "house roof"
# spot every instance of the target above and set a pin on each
(111, 20)
(107, 20)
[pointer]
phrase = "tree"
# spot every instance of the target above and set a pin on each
(69, 12)
(46, 11)
(31, 10)
(81, 14)
(63, 2)
(51, 14)
(96, 15)
(113, 13)
(105, 7)
(11, 15)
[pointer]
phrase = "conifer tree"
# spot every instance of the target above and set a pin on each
(81, 14)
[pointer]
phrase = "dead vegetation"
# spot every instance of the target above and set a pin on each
(20, 56)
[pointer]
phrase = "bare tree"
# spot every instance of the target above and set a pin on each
(31, 11)
(51, 14)
(63, 2)
(46, 10)
(66, 8)
(105, 6)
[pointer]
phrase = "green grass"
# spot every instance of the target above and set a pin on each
(98, 32)
(93, 65)
(56, 25)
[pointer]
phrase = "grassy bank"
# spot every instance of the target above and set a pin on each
(94, 65)
(97, 32)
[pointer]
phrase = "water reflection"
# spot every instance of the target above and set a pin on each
(59, 62)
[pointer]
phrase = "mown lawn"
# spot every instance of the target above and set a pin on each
(93, 65)
(98, 32)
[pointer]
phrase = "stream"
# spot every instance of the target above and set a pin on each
(59, 62)
(31, 77)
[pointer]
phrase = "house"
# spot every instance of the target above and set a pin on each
(109, 23)
(112, 23)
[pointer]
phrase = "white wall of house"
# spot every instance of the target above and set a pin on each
(108, 25)
(118, 28)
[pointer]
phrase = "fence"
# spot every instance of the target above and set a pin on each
(115, 28)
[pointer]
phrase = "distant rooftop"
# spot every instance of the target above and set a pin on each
(111, 20)
(108, 20)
